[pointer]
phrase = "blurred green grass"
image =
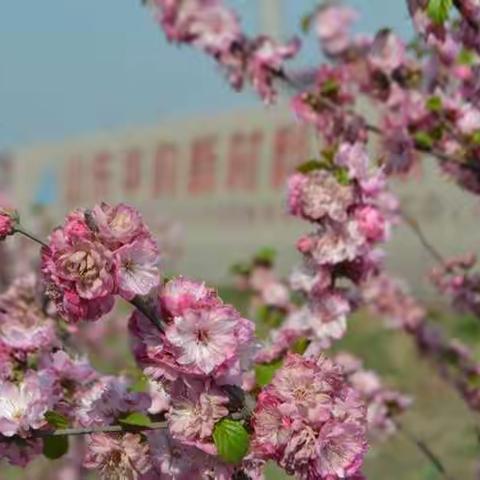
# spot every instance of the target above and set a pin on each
(438, 416)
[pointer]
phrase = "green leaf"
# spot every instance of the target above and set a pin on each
(136, 419)
(240, 268)
(55, 447)
(310, 166)
(56, 419)
(232, 440)
(306, 22)
(342, 176)
(329, 87)
(300, 346)
(265, 255)
(439, 10)
(476, 138)
(434, 104)
(264, 372)
(466, 57)
(423, 140)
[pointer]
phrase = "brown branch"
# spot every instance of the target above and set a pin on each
(61, 432)
(31, 236)
(416, 229)
(425, 450)
(149, 311)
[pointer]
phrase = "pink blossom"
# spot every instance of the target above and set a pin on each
(22, 406)
(117, 225)
(469, 121)
(7, 223)
(354, 157)
(80, 275)
(371, 223)
(332, 24)
(138, 272)
(23, 323)
(205, 339)
(336, 243)
(122, 456)
(300, 421)
(319, 196)
(181, 294)
(174, 461)
(387, 53)
(195, 408)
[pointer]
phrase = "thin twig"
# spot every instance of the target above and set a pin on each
(416, 229)
(146, 309)
(425, 450)
(31, 236)
(62, 432)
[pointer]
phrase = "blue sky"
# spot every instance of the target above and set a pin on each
(70, 67)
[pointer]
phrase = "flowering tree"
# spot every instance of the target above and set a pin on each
(213, 403)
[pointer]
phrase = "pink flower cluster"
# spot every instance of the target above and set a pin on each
(352, 213)
(310, 421)
(201, 356)
(96, 255)
(213, 28)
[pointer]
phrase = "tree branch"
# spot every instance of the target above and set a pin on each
(31, 236)
(425, 450)
(149, 311)
(61, 432)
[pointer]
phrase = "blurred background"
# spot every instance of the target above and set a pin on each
(97, 106)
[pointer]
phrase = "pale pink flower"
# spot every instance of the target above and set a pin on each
(123, 456)
(22, 406)
(195, 409)
(117, 225)
(173, 460)
(469, 121)
(354, 157)
(387, 52)
(160, 397)
(180, 294)
(337, 243)
(138, 271)
(341, 448)
(214, 27)
(319, 196)
(310, 421)
(205, 338)
(332, 24)
(276, 294)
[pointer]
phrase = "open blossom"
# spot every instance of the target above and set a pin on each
(117, 225)
(195, 408)
(319, 195)
(173, 460)
(22, 406)
(124, 456)
(332, 26)
(23, 323)
(202, 336)
(20, 451)
(310, 421)
(138, 271)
